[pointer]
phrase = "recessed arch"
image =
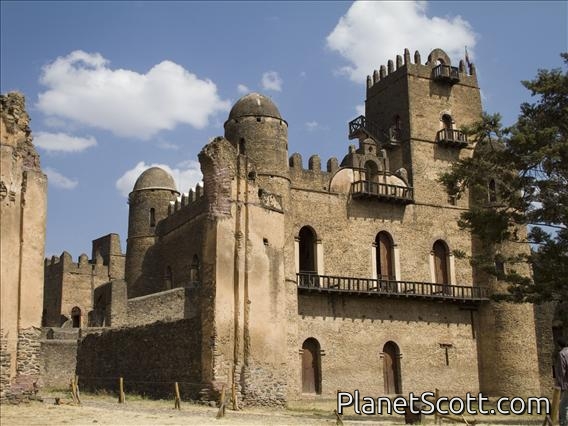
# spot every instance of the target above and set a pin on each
(194, 270)
(447, 121)
(76, 317)
(311, 366)
(307, 250)
(168, 278)
(385, 256)
(441, 253)
(392, 377)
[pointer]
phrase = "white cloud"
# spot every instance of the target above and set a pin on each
(312, 125)
(83, 88)
(360, 109)
(186, 174)
(63, 142)
(58, 180)
(371, 33)
(242, 89)
(271, 81)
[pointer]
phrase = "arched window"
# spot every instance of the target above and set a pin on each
(492, 189)
(308, 261)
(76, 317)
(447, 122)
(311, 366)
(152, 217)
(392, 377)
(385, 256)
(441, 266)
(194, 276)
(168, 279)
(371, 171)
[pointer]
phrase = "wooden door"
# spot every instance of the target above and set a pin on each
(385, 270)
(391, 367)
(441, 265)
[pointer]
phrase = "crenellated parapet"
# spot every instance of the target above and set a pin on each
(185, 208)
(438, 67)
(313, 178)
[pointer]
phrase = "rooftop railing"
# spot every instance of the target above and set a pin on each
(383, 191)
(378, 287)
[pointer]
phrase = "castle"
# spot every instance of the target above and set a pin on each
(283, 282)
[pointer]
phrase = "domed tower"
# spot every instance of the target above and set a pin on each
(149, 202)
(258, 131)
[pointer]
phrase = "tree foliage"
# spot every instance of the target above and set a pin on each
(518, 177)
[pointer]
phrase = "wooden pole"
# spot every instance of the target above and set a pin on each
(120, 391)
(555, 409)
(233, 389)
(221, 412)
(72, 390)
(177, 403)
(76, 387)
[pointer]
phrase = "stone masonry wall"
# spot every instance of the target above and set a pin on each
(150, 358)
(59, 360)
(167, 306)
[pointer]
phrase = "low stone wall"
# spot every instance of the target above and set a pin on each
(59, 360)
(167, 306)
(150, 359)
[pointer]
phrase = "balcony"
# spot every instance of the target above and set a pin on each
(360, 127)
(452, 138)
(446, 74)
(309, 282)
(382, 191)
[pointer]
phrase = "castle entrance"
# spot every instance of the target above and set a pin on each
(391, 369)
(311, 382)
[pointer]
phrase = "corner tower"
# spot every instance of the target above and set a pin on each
(149, 202)
(416, 111)
(257, 130)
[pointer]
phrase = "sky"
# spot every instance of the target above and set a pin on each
(113, 88)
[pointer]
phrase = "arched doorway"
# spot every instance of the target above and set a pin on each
(307, 250)
(311, 367)
(447, 122)
(385, 256)
(76, 317)
(391, 369)
(441, 269)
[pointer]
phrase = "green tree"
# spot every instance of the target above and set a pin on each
(518, 177)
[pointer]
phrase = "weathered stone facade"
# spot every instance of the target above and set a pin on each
(23, 192)
(295, 283)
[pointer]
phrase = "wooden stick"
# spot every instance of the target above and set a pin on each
(234, 391)
(177, 403)
(221, 412)
(120, 391)
(555, 409)
(76, 389)
(72, 390)
(338, 421)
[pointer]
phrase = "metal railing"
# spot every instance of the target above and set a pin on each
(369, 286)
(446, 73)
(370, 189)
(361, 125)
(451, 137)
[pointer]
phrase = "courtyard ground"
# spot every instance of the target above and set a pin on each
(104, 410)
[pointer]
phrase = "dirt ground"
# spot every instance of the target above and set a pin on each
(105, 410)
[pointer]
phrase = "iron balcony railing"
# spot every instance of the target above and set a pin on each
(446, 73)
(326, 283)
(360, 127)
(383, 191)
(452, 138)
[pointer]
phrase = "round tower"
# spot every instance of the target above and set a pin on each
(149, 202)
(258, 131)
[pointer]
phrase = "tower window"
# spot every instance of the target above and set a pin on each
(242, 146)
(307, 250)
(447, 122)
(169, 279)
(152, 217)
(384, 256)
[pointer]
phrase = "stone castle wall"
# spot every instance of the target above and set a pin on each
(23, 191)
(150, 358)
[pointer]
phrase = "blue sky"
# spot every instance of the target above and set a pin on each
(114, 87)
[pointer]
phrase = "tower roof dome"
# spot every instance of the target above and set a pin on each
(254, 104)
(155, 178)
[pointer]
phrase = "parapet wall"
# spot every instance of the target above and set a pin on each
(313, 178)
(150, 359)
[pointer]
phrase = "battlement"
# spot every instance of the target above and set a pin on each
(437, 67)
(186, 201)
(65, 263)
(183, 209)
(314, 164)
(313, 178)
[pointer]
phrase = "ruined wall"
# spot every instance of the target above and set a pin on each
(23, 192)
(163, 352)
